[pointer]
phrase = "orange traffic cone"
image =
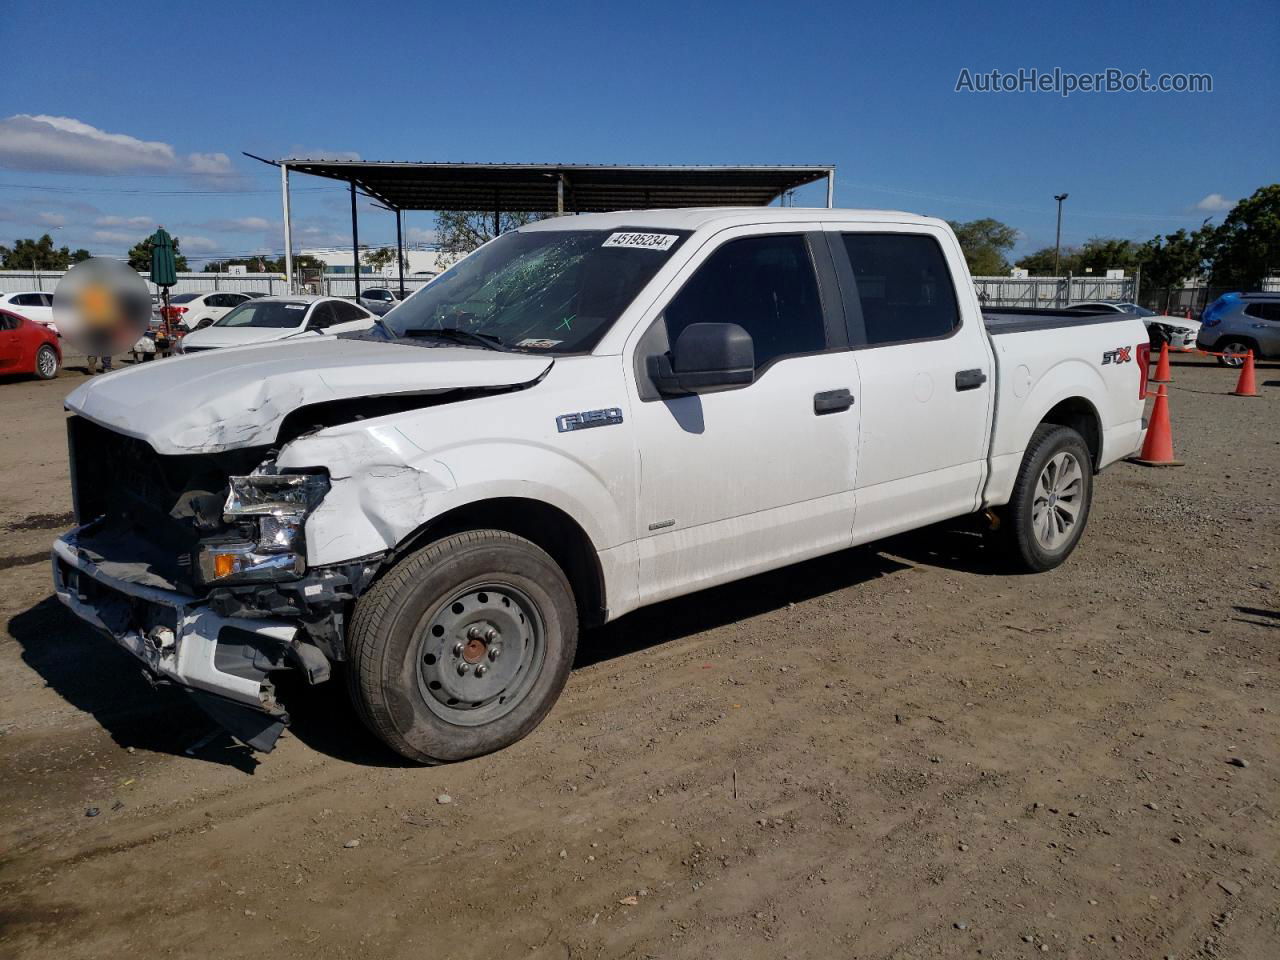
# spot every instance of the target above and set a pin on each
(1246, 386)
(1163, 375)
(1157, 448)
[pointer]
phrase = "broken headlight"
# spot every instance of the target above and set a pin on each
(269, 510)
(274, 494)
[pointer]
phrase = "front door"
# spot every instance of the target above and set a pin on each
(743, 480)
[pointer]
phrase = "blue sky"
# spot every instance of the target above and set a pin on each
(158, 100)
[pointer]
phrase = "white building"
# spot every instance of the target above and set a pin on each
(423, 262)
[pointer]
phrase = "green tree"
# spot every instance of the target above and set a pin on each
(1100, 254)
(28, 254)
(80, 256)
(1040, 263)
(1247, 245)
(985, 244)
(140, 256)
(1170, 261)
(379, 258)
(461, 231)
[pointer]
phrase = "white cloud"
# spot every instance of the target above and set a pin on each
(418, 235)
(189, 244)
(110, 236)
(51, 219)
(67, 145)
(1215, 203)
(115, 221)
(239, 225)
(209, 164)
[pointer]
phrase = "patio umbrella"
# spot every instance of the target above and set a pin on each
(164, 270)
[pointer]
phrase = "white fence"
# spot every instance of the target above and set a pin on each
(1046, 292)
(336, 285)
(992, 291)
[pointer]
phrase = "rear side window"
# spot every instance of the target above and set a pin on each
(1264, 311)
(346, 312)
(767, 286)
(904, 287)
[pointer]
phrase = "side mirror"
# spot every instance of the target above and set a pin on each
(706, 357)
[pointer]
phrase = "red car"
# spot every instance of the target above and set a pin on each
(28, 347)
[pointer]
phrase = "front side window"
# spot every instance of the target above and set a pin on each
(553, 291)
(904, 287)
(767, 286)
(257, 313)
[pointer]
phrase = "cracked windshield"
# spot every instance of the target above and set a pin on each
(546, 291)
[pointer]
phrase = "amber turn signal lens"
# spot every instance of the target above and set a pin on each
(224, 564)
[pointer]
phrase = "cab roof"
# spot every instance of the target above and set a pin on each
(698, 218)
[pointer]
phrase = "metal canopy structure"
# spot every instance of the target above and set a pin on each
(560, 188)
(542, 188)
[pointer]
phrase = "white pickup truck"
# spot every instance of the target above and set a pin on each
(584, 416)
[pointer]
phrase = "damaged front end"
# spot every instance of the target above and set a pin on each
(196, 564)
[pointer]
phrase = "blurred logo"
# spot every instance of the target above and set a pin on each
(101, 307)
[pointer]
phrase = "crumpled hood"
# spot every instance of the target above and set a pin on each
(238, 397)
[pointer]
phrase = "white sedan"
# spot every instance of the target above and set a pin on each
(278, 318)
(194, 310)
(35, 305)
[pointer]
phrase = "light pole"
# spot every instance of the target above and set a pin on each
(1057, 243)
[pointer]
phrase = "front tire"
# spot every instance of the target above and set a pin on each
(1051, 498)
(463, 647)
(1236, 347)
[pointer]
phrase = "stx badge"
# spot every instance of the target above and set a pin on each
(1118, 355)
(588, 418)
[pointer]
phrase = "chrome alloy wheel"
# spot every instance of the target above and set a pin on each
(480, 653)
(1058, 498)
(48, 361)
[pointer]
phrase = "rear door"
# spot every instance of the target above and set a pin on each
(926, 371)
(1264, 321)
(747, 479)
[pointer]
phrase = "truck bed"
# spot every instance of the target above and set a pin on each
(1023, 319)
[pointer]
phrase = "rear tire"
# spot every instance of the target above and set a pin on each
(423, 672)
(1049, 509)
(46, 367)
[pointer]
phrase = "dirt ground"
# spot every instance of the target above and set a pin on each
(902, 751)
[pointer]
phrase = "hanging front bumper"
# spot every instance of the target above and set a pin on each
(179, 638)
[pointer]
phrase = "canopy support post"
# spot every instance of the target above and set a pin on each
(831, 188)
(560, 195)
(400, 252)
(355, 239)
(288, 228)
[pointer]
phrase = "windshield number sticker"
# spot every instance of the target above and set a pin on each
(642, 241)
(295, 306)
(535, 344)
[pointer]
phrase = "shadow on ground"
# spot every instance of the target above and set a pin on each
(95, 676)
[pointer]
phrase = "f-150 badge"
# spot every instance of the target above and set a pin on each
(588, 418)
(1118, 355)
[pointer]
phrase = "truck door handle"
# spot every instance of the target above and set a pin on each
(970, 379)
(831, 401)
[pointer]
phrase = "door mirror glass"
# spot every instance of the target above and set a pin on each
(707, 357)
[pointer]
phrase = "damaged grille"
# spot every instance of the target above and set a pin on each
(166, 502)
